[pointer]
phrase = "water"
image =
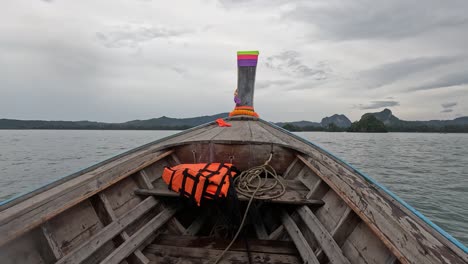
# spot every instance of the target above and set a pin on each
(429, 171)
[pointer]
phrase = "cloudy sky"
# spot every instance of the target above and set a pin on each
(118, 60)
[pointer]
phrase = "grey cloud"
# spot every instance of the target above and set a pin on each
(179, 70)
(267, 83)
(249, 3)
(131, 35)
(454, 79)
(378, 104)
(391, 72)
(366, 19)
(289, 62)
(449, 105)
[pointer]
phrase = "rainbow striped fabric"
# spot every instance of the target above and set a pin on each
(247, 58)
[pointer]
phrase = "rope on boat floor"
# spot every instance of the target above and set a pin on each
(252, 183)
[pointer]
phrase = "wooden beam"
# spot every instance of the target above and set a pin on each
(345, 226)
(255, 245)
(257, 221)
(26, 215)
(138, 256)
(143, 180)
(319, 190)
(288, 170)
(295, 194)
(204, 255)
(277, 233)
(85, 250)
(139, 237)
(55, 249)
(197, 224)
(175, 158)
(303, 247)
(325, 240)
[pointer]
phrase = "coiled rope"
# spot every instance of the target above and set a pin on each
(252, 183)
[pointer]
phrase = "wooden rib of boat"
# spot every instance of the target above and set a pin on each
(120, 210)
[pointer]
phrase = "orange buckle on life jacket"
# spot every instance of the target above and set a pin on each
(198, 181)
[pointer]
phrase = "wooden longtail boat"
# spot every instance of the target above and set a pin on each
(120, 210)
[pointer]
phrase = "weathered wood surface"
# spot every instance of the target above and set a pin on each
(197, 224)
(206, 249)
(137, 239)
(396, 229)
(85, 250)
(325, 239)
(307, 254)
(345, 226)
(138, 256)
(30, 213)
(295, 194)
(175, 254)
(255, 245)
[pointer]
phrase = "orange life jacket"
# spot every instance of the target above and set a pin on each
(203, 180)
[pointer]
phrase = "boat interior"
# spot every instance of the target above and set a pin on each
(121, 211)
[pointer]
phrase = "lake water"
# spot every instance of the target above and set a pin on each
(429, 171)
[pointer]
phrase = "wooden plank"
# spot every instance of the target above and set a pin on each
(290, 197)
(139, 237)
(277, 233)
(343, 229)
(368, 245)
(290, 167)
(238, 132)
(319, 190)
(294, 171)
(345, 226)
(307, 254)
(175, 158)
(326, 241)
(160, 254)
(197, 224)
(259, 134)
(108, 232)
(28, 214)
(143, 180)
(257, 221)
(55, 249)
(138, 256)
(255, 245)
(26, 250)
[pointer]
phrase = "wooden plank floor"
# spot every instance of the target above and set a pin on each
(188, 249)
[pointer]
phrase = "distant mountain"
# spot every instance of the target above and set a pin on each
(300, 124)
(162, 123)
(339, 120)
(173, 122)
(395, 124)
(386, 116)
(333, 123)
(368, 123)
